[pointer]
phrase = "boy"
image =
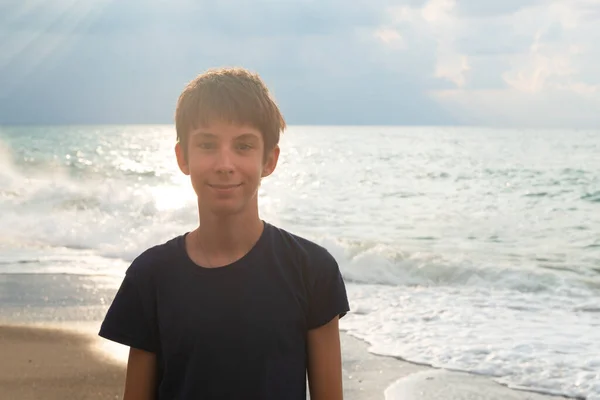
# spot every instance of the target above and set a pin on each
(236, 309)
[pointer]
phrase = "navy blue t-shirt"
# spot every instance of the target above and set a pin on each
(234, 332)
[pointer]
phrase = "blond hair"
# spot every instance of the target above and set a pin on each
(232, 95)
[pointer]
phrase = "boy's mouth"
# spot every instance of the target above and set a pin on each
(224, 187)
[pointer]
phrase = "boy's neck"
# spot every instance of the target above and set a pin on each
(224, 239)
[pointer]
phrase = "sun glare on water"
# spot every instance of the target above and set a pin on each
(171, 198)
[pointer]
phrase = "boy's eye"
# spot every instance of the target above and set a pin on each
(206, 145)
(244, 146)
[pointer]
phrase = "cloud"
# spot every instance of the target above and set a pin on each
(227, 18)
(437, 20)
(390, 37)
(479, 8)
(364, 62)
(500, 54)
(127, 61)
(562, 42)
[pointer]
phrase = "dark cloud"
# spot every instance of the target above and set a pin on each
(317, 79)
(384, 99)
(225, 18)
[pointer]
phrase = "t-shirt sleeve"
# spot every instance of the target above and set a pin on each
(131, 319)
(328, 297)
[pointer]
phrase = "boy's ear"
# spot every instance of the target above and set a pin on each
(271, 161)
(182, 158)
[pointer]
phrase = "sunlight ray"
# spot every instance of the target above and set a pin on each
(47, 42)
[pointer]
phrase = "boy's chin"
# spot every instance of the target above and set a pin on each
(225, 209)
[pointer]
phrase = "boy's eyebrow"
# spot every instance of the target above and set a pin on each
(205, 134)
(247, 136)
(208, 135)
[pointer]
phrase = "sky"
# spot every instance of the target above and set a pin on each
(514, 63)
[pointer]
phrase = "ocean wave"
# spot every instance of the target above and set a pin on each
(115, 218)
(120, 216)
(370, 263)
(118, 219)
(593, 197)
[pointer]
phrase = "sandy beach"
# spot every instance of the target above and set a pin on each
(51, 363)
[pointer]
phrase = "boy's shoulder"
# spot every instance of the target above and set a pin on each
(291, 237)
(155, 256)
(307, 249)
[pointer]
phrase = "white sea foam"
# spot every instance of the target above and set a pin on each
(110, 218)
(532, 340)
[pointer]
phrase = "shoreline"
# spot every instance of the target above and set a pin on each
(68, 361)
(405, 380)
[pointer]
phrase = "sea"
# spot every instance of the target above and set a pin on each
(465, 248)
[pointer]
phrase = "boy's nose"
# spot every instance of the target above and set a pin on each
(224, 162)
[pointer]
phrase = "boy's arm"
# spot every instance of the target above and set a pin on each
(325, 362)
(140, 382)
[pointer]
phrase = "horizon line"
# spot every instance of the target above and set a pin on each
(330, 125)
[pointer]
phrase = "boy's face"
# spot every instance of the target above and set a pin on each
(225, 163)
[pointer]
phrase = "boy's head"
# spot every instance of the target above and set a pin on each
(228, 95)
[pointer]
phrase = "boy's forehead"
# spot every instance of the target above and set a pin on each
(225, 129)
